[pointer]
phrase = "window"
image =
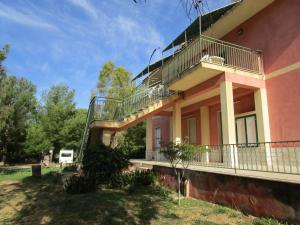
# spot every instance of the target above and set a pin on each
(191, 128)
(246, 130)
(66, 155)
(157, 136)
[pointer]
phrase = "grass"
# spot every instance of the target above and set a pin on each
(20, 173)
(25, 200)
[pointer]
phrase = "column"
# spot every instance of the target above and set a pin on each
(262, 120)
(176, 123)
(205, 130)
(106, 137)
(228, 124)
(149, 139)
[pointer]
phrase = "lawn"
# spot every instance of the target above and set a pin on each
(24, 200)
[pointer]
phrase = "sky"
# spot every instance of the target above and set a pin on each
(67, 41)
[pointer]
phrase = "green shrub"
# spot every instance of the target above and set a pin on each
(143, 178)
(101, 162)
(71, 168)
(133, 179)
(77, 184)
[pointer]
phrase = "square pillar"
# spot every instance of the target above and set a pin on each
(262, 115)
(149, 139)
(106, 137)
(262, 120)
(205, 129)
(176, 123)
(228, 124)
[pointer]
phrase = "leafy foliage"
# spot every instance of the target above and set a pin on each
(37, 141)
(58, 107)
(132, 179)
(114, 82)
(17, 107)
(77, 184)
(133, 141)
(180, 154)
(102, 162)
(73, 128)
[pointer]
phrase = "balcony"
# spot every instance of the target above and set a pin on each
(206, 57)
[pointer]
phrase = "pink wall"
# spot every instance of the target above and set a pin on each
(162, 122)
(275, 30)
(284, 106)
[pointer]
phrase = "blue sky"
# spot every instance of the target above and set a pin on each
(67, 41)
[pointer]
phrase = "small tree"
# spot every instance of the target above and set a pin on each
(180, 155)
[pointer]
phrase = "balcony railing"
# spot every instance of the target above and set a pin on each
(210, 50)
(117, 109)
(278, 157)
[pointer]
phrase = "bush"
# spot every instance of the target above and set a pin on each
(143, 178)
(101, 162)
(78, 184)
(71, 168)
(133, 179)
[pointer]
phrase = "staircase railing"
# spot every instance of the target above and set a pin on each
(110, 109)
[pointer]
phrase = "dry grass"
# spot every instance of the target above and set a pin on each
(42, 201)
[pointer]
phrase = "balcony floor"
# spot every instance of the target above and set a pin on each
(219, 169)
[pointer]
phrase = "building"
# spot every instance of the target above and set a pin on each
(235, 89)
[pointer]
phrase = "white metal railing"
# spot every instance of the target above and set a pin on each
(210, 50)
(278, 157)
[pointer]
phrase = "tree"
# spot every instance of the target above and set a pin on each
(73, 129)
(17, 106)
(180, 155)
(133, 141)
(37, 142)
(57, 108)
(3, 55)
(114, 82)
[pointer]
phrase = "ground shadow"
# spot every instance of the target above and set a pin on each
(46, 203)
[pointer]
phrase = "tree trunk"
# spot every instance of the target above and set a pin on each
(178, 183)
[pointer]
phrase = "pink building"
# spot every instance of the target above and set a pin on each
(235, 89)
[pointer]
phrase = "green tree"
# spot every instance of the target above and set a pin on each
(73, 129)
(114, 82)
(3, 55)
(37, 142)
(133, 141)
(17, 107)
(179, 156)
(57, 108)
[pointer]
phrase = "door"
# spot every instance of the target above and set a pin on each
(191, 125)
(157, 136)
(246, 130)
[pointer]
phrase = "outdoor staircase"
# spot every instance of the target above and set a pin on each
(123, 112)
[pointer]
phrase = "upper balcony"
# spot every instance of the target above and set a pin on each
(206, 57)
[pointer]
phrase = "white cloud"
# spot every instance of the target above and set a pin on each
(25, 18)
(86, 6)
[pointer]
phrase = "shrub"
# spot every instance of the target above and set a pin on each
(71, 168)
(133, 179)
(101, 162)
(143, 178)
(77, 184)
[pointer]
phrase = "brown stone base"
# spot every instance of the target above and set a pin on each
(254, 196)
